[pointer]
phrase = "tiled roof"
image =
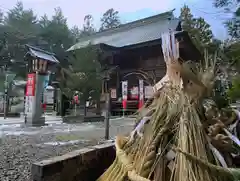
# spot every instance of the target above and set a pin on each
(37, 52)
(133, 33)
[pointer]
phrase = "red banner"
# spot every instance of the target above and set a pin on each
(124, 103)
(141, 94)
(31, 85)
(76, 99)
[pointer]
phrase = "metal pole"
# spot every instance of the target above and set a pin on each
(25, 110)
(5, 103)
(75, 109)
(5, 94)
(60, 103)
(25, 96)
(107, 116)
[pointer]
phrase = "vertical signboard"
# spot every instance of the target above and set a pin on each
(48, 97)
(141, 94)
(113, 93)
(124, 89)
(30, 93)
(28, 104)
(124, 94)
(30, 85)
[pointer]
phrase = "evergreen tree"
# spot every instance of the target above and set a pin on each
(76, 33)
(20, 27)
(233, 24)
(88, 27)
(44, 21)
(2, 35)
(1, 16)
(56, 32)
(233, 92)
(198, 29)
(205, 33)
(232, 47)
(56, 36)
(83, 75)
(23, 22)
(110, 19)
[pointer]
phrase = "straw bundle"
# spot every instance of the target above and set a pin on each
(174, 141)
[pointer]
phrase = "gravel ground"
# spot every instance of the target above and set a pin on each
(18, 152)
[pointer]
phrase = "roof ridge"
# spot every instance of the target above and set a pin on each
(40, 50)
(132, 24)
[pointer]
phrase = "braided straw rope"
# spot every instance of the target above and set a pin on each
(202, 162)
(122, 166)
(127, 164)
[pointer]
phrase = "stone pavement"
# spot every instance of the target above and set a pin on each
(86, 130)
(20, 146)
(48, 118)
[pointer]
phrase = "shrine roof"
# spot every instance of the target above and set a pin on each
(37, 52)
(133, 33)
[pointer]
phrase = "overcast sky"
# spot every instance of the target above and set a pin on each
(129, 10)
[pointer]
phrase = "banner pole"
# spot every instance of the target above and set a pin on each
(124, 96)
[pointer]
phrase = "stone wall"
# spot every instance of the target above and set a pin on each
(86, 164)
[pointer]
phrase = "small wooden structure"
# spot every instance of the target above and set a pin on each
(133, 52)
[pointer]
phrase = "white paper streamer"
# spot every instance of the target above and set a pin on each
(218, 155)
(233, 138)
(170, 49)
(238, 113)
(230, 135)
(139, 127)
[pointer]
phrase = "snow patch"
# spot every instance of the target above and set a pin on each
(63, 143)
